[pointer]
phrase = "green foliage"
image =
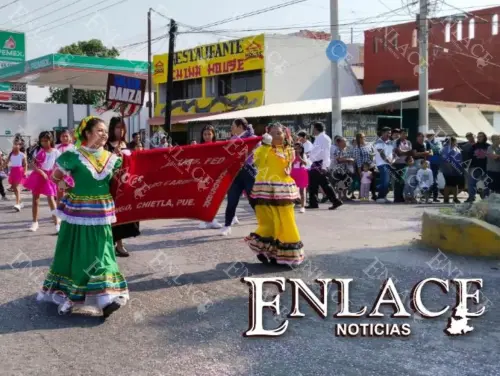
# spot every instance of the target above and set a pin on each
(93, 47)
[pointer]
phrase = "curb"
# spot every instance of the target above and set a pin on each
(460, 235)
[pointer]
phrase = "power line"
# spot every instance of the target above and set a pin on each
(80, 16)
(33, 11)
(226, 20)
(8, 4)
(50, 13)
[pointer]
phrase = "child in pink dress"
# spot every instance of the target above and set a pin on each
(39, 182)
(17, 171)
(300, 175)
(65, 145)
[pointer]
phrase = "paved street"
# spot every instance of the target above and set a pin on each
(189, 309)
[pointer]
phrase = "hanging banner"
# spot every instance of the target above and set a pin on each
(178, 182)
(125, 94)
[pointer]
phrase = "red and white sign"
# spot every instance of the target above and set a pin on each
(179, 182)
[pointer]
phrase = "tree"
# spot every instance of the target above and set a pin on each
(93, 47)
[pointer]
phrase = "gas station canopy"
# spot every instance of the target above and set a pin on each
(82, 72)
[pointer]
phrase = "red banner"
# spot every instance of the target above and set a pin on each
(178, 182)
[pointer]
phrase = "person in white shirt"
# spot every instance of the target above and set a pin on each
(320, 158)
(425, 180)
(384, 159)
(303, 138)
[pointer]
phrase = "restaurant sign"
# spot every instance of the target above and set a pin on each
(213, 59)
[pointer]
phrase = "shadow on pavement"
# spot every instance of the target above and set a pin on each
(221, 272)
(26, 314)
(27, 264)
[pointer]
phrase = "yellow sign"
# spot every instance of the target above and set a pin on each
(213, 59)
(231, 102)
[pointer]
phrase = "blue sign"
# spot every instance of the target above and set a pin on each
(336, 50)
(124, 89)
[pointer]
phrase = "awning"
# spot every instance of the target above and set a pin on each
(160, 120)
(317, 106)
(83, 72)
(462, 119)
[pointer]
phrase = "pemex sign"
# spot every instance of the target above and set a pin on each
(12, 48)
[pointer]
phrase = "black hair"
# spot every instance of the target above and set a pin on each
(420, 134)
(385, 129)
(41, 136)
(135, 134)
(396, 130)
(484, 134)
(63, 132)
(319, 126)
(90, 126)
(241, 122)
(113, 123)
(302, 134)
(210, 128)
(302, 151)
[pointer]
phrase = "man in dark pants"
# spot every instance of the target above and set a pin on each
(245, 179)
(435, 161)
(318, 174)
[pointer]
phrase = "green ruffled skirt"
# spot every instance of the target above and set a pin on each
(84, 270)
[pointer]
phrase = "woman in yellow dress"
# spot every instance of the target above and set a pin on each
(276, 239)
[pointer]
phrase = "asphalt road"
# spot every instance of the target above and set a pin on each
(188, 308)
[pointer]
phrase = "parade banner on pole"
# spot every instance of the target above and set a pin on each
(179, 182)
(125, 94)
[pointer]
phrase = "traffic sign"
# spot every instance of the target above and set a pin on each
(336, 50)
(7, 132)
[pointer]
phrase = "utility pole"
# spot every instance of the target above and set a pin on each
(352, 35)
(150, 84)
(170, 75)
(336, 104)
(423, 76)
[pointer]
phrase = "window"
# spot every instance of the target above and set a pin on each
(211, 87)
(472, 28)
(494, 25)
(240, 82)
(459, 30)
(187, 89)
(376, 41)
(414, 38)
(447, 33)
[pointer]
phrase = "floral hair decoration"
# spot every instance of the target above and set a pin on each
(79, 131)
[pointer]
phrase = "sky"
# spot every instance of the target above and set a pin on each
(51, 24)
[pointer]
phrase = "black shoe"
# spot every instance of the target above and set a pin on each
(336, 205)
(114, 306)
(273, 261)
(308, 207)
(436, 201)
(121, 253)
(456, 201)
(263, 259)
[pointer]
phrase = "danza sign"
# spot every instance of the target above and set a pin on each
(124, 89)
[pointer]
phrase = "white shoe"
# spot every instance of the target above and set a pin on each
(17, 208)
(214, 225)
(58, 227)
(34, 227)
(235, 221)
(302, 210)
(226, 231)
(203, 225)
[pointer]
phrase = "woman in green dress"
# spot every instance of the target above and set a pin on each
(84, 270)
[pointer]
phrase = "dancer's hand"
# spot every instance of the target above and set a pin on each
(44, 175)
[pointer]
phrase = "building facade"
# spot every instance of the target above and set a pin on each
(464, 57)
(244, 73)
